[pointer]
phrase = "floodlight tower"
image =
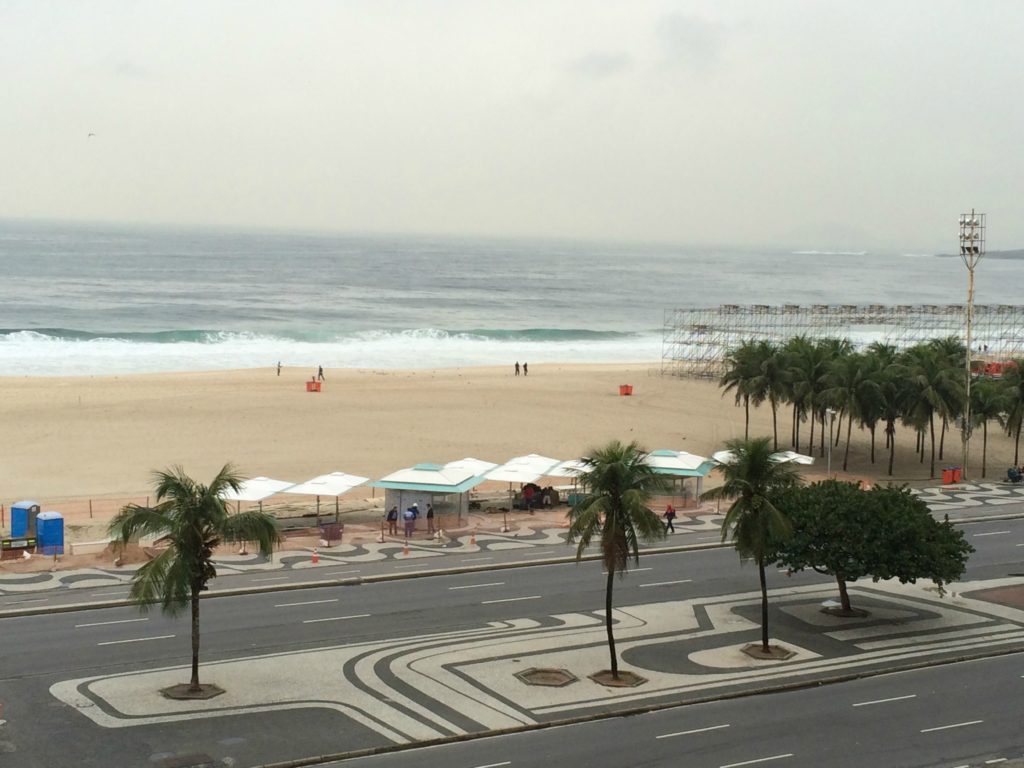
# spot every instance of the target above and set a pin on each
(972, 250)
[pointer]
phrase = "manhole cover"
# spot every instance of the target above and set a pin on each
(555, 678)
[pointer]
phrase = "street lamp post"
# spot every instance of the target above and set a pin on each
(972, 249)
(831, 424)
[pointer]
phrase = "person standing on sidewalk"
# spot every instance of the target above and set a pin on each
(670, 516)
(430, 519)
(393, 521)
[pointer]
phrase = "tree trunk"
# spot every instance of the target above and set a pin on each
(764, 606)
(890, 433)
(775, 425)
(608, 622)
(1016, 446)
(931, 430)
(984, 446)
(920, 434)
(792, 440)
(873, 425)
(849, 426)
(746, 423)
(839, 432)
(942, 439)
(796, 429)
(821, 449)
(810, 443)
(194, 683)
(844, 596)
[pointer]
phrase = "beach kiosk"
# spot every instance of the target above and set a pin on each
(23, 519)
(50, 533)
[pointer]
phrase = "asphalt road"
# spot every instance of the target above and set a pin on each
(41, 650)
(961, 714)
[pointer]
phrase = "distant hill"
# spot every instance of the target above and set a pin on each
(1014, 254)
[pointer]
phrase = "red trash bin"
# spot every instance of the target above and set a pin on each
(958, 473)
(947, 476)
(625, 389)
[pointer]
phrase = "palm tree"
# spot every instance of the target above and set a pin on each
(1013, 382)
(193, 519)
(933, 387)
(742, 368)
(751, 480)
(770, 383)
(845, 379)
(619, 485)
(988, 403)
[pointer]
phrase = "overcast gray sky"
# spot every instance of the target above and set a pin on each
(812, 124)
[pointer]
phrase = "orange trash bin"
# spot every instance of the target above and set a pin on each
(625, 389)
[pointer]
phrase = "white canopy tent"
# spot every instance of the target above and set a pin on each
(420, 483)
(256, 489)
(334, 484)
(522, 470)
(780, 457)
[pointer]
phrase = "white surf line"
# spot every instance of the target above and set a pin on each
(136, 640)
(474, 586)
(954, 725)
(105, 623)
(884, 701)
(512, 599)
(758, 760)
(272, 578)
(695, 730)
(337, 618)
(991, 533)
(475, 559)
(306, 602)
(666, 583)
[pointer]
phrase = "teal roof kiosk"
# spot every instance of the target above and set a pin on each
(23, 519)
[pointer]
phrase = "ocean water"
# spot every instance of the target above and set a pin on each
(84, 300)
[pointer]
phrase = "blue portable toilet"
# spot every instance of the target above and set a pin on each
(23, 519)
(50, 533)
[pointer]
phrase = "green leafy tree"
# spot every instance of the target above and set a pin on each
(619, 485)
(885, 533)
(193, 519)
(752, 480)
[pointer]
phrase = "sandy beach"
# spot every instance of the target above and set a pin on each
(68, 440)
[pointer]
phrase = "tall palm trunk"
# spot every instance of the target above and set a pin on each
(984, 446)
(775, 425)
(796, 428)
(942, 440)
(1016, 446)
(849, 426)
(821, 449)
(890, 434)
(873, 426)
(764, 605)
(608, 621)
(746, 423)
(194, 683)
(931, 430)
(810, 443)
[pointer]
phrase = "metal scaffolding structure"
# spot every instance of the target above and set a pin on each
(696, 341)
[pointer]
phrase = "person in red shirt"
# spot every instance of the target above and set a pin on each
(670, 516)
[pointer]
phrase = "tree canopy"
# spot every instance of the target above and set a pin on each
(885, 533)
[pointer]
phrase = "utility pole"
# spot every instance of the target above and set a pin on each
(972, 249)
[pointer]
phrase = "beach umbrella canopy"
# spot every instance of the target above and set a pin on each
(679, 463)
(256, 489)
(570, 468)
(523, 469)
(781, 457)
(476, 466)
(334, 484)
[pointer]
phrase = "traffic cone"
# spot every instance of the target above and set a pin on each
(316, 557)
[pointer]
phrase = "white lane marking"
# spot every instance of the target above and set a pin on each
(708, 538)
(1019, 545)
(695, 730)
(538, 552)
(495, 765)
(33, 600)
(885, 701)
(474, 586)
(136, 640)
(954, 725)
(337, 618)
(666, 583)
(996, 760)
(411, 565)
(109, 593)
(991, 533)
(105, 623)
(332, 573)
(511, 599)
(306, 602)
(475, 559)
(629, 570)
(758, 760)
(272, 578)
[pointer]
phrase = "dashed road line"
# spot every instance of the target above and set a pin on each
(631, 570)
(411, 565)
(475, 586)
(110, 593)
(33, 600)
(666, 583)
(885, 701)
(475, 559)
(495, 765)
(337, 618)
(272, 578)
(537, 552)
(105, 623)
(695, 730)
(136, 640)
(511, 599)
(991, 533)
(306, 602)
(758, 760)
(953, 725)
(333, 573)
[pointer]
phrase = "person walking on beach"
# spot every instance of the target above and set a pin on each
(526, 369)
(393, 521)
(430, 519)
(320, 373)
(670, 516)
(278, 367)
(517, 367)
